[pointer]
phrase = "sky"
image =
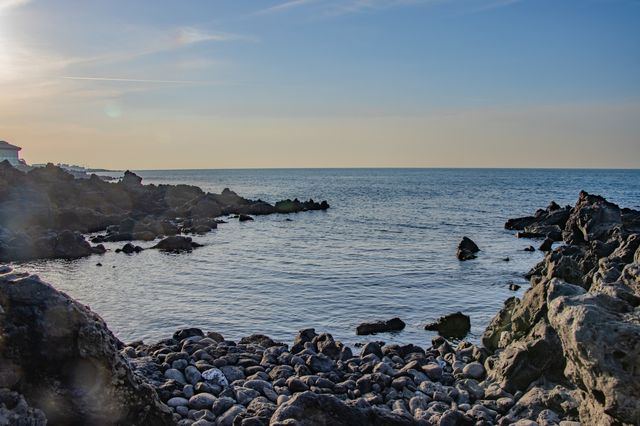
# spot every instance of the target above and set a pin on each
(165, 84)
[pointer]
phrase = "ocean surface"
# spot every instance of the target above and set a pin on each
(385, 249)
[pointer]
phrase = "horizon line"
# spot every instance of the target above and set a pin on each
(368, 168)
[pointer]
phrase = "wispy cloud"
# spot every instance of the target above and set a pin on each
(290, 4)
(191, 35)
(341, 7)
(10, 4)
(141, 80)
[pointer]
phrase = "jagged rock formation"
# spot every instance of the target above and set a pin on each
(579, 323)
(43, 211)
(65, 362)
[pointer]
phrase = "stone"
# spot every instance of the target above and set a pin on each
(467, 249)
(221, 405)
(474, 370)
(177, 401)
(258, 339)
(232, 373)
(310, 409)
(227, 418)
(303, 337)
(192, 374)
(176, 244)
(546, 245)
(371, 348)
(185, 333)
(215, 376)
(320, 363)
(433, 371)
(202, 401)
(296, 385)
(455, 325)
(394, 324)
(173, 374)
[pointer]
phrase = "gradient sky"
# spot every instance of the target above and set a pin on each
(322, 83)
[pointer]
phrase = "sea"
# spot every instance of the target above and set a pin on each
(386, 248)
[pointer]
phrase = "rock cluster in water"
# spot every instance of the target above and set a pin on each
(44, 212)
(565, 354)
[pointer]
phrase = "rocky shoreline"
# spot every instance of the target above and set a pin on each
(47, 213)
(567, 353)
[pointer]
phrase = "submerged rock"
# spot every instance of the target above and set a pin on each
(176, 244)
(467, 249)
(394, 324)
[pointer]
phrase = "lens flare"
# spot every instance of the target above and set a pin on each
(113, 110)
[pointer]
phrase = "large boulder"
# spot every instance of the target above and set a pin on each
(600, 336)
(366, 328)
(467, 249)
(455, 325)
(310, 409)
(176, 244)
(66, 362)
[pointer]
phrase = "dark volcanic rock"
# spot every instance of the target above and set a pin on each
(38, 207)
(309, 409)
(394, 324)
(24, 246)
(577, 325)
(130, 249)
(65, 361)
(14, 410)
(176, 244)
(546, 244)
(455, 325)
(467, 249)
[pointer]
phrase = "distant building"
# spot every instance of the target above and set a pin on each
(10, 153)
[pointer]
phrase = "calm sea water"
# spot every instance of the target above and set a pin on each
(386, 248)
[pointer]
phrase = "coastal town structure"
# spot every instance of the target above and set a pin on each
(11, 153)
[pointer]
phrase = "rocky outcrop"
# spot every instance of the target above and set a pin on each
(65, 362)
(467, 249)
(61, 245)
(578, 325)
(41, 210)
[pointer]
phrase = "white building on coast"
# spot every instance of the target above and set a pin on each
(11, 153)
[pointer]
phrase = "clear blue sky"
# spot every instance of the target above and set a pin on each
(306, 83)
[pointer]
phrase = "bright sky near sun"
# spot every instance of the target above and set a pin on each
(322, 83)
